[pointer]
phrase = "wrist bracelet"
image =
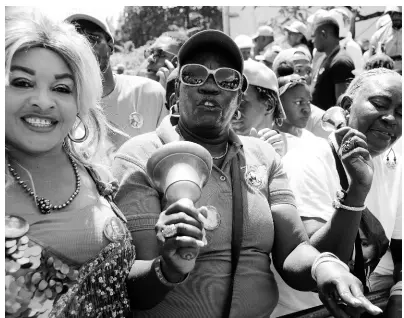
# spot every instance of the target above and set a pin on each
(326, 257)
(160, 275)
(338, 205)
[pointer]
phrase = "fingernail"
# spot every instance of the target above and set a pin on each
(200, 243)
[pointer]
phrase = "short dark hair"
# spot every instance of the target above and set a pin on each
(379, 60)
(285, 68)
(330, 25)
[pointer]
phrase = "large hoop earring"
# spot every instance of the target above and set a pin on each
(237, 115)
(174, 111)
(82, 139)
(279, 122)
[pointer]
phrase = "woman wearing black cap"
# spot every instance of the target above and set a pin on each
(249, 208)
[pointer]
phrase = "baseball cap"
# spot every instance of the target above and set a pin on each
(329, 19)
(206, 39)
(244, 41)
(260, 75)
(92, 17)
(297, 27)
(264, 30)
(270, 54)
(393, 9)
(289, 55)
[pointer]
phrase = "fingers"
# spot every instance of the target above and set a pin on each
(332, 306)
(266, 134)
(177, 242)
(169, 65)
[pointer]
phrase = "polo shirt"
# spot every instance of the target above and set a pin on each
(335, 69)
(204, 293)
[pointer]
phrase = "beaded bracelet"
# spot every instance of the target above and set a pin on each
(160, 275)
(337, 204)
(326, 257)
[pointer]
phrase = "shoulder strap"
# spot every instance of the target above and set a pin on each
(359, 268)
(237, 227)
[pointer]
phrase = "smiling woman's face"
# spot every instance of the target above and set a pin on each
(40, 103)
(207, 110)
(376, 111)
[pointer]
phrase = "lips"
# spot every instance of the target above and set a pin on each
(39, 123)
(382, 134)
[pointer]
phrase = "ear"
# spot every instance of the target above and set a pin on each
(346, 103)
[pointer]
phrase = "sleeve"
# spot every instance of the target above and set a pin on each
(278, 183)
(342, 70)
(312, 183)
(137, 199)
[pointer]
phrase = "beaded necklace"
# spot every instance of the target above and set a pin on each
(44, 205)
(215, 158)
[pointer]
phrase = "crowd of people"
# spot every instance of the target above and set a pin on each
(303, 203)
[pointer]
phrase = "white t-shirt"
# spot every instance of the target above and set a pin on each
(314, 181)
(140, 97)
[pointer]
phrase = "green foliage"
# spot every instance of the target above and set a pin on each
(142, 24)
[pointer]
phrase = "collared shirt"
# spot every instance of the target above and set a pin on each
(264, 184)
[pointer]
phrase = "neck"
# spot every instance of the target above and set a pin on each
(287, 128)
(216, 146)
(331, 47)
(108, 81)
(41, 161)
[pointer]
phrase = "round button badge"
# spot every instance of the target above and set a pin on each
(136, 120)
(15, 227)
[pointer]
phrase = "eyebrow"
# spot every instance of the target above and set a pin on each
(32, 72)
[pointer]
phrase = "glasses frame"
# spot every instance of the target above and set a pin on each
(151, 52)
(213, 72)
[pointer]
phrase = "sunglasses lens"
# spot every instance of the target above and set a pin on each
(194, 74)
(228, 78)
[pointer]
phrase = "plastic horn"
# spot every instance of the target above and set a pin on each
(334, 118)
(180, 170)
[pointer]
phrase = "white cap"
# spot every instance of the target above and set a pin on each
(264, 30)
(298, 27)
(244, 41)
(89, 15)
(393, 9)
(270, 54)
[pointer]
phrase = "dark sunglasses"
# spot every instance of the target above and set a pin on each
(197, 74)
(157, 53)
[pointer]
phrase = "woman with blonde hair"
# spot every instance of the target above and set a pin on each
(68, 252)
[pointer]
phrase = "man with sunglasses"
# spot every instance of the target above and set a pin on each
(246, 211)
(161, 57)
(133, 104)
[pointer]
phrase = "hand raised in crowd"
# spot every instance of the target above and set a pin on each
(341, 292)
(187, 234)
(354, 153)
(163, 73)
(272, 137)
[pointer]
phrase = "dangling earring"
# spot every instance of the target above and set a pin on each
(82, 139)
(174, 111)
(237, 115)
(279, 122)
(391, 164)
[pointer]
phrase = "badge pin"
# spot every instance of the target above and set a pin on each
(136, 120)
(255, 176)
(114, 229)
(212, 221)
